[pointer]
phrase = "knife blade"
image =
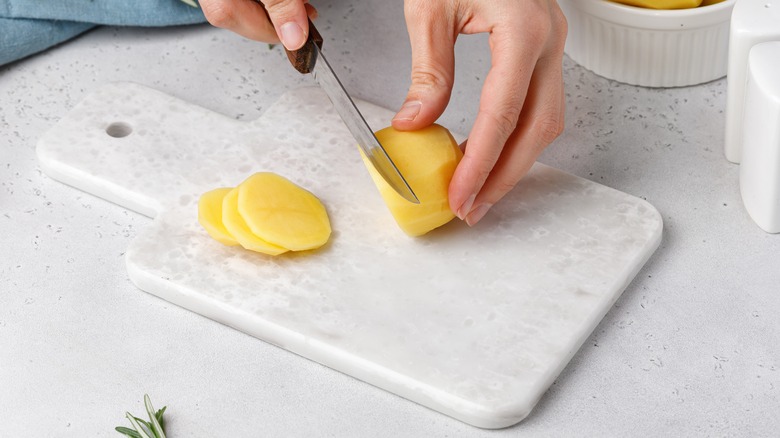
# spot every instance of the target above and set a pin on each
(309, 59)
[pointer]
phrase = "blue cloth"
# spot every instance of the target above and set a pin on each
(29, 26)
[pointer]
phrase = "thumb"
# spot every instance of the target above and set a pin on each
(290, 19)
(432, 36)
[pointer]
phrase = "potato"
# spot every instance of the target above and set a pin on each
(282, 213)
(266, 213)
(668, 4)
(427, 159)
(237, 226)
(210, 216)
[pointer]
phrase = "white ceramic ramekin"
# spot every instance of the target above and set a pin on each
(648, 47)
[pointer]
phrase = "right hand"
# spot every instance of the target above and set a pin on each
(270, 21)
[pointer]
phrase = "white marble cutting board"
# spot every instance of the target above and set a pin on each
(474, 323)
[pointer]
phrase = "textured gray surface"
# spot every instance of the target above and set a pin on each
(689, 349)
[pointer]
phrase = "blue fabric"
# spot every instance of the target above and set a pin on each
(20, 37)
(29, 26)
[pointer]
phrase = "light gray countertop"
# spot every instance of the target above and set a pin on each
(690, 349)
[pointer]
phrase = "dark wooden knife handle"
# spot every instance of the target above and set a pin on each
(304, 58)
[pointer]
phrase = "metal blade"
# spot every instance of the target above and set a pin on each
(345, 107)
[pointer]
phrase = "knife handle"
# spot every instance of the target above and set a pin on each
(304, 58)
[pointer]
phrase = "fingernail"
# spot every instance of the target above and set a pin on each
(292, 36)
(465, 208)
(477, 213)
(409, 110)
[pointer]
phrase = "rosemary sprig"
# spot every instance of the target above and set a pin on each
(154, 428)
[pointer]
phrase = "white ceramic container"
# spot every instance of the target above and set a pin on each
(648, 47)
(759, 173)
(752, 22)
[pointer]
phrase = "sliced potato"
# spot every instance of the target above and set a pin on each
(282, 213)
(237, 226)
(210, 216)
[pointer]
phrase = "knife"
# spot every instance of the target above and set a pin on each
(309, 59)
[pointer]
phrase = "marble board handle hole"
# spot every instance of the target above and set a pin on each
(119, 129)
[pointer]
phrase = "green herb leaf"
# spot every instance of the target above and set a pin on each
(159, 416)
(145, 423)
(138, 428)
(129, 432)
(191, 3)
(156, 426)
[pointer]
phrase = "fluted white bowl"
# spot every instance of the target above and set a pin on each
(649, 47)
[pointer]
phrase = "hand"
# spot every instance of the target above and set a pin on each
(521, 107)
(271, 21)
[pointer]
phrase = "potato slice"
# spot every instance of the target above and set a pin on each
(237, 226)
(427, 159)
(282, 213)
(210, 216)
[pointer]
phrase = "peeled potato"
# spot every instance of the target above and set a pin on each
(210, 216)
(282, 213)
(237, 226)
(427, 159)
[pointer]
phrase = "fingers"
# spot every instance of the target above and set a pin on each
(541, 121)
(249, 19)
(432, 35)
(244, 17)
(503, 97)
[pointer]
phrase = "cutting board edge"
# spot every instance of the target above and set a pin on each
(90, 185)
